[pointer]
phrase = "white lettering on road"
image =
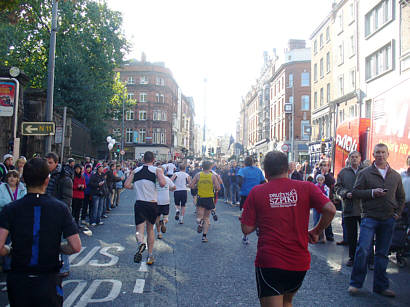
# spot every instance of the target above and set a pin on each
(143, 267)
(139, 286)
(87, 258)
(87, 296)
(104, 251)
(72, 257)
(76, 292)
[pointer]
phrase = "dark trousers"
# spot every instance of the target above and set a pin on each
(86, 206)
(351, 225)
(33, 290)
(77, 205)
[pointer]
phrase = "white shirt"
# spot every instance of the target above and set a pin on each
(145, 188)
(181, 181)
(382, 172)
(171, 168)
(163, 192)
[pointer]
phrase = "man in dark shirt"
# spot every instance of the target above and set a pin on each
(36, 223)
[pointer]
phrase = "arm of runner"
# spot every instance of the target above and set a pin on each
(72, 246)
(4, 249)
(128, 182)
(215, 181)
(173, 177)
(195, 181)
(161, 177)
(328, 212)
(189, 181)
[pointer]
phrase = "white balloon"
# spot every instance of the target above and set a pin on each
(110, 146)
(112, 141)
(109, 139)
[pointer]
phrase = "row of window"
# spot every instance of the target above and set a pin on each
(321, 40)
(142, 115)
(145, 80)
(278, 130)
(305, 81)
(143, 97)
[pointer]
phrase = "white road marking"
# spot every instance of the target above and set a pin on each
(87, 258)
(76, 292)
(72, 257)
(139, 286)
(104, 251)
(86, 298)
(143, 267)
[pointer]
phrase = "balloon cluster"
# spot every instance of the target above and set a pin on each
(111, 142)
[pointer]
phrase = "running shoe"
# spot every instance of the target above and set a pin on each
(138, 254)
(181, 221)
(214, 216)
(177, 216)
(163, 227)
(104, 216)
(200, 226)
(204, 239)
(245, 240)
(101, 223)
(93, 224)
(159, 236)
(150, 260)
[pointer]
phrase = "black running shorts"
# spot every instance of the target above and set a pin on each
(207, 203)
(145, 211)
(273, 282)
(180, 198)
(194, 192)
(162, 209)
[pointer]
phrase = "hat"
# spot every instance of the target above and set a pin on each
(7, 156)
(88, 166)
(78, 165)
(70, 160)
(98, 166)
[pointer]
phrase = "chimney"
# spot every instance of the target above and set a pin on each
(143, 57)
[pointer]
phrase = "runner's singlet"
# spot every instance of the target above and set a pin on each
(205, 185)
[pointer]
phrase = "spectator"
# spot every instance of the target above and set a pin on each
(118, 185)
(87, 197)
(280, 209)
(381, 190)
(6, 166)
(20, 165)
(293, 173)
(233, 182)
(12, 189)
(78, 193)
(97, 193)
(306, 170)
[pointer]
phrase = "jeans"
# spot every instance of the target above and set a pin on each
(226, 192)
(108, 202)
(384, 233)
(234, 192)
(98, 203)
(116, 200)
(328, 230)
(344, 229)
(86, 210)
(351, 223)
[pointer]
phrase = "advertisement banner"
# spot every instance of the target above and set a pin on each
(7, 97)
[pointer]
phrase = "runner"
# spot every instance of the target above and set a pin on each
(170, 168)
(163, 204)
(206, 183)
(181, 180)
(248, 177)
(143, 180)
(213, 211)
(194, 192)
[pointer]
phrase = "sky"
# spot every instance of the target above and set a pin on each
(221, 41)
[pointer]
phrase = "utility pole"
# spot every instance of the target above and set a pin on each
(204, 134)
(122, 128)
(63, 134)
(293, 122)
(51, 66)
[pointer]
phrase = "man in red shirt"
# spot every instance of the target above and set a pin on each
(281, 209)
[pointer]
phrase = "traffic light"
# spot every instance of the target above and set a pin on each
(118, 148)
(209, 151)
(213, 151)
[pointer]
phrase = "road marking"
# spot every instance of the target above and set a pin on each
(87, 258)
(76, 292)
(86, 298)
(104, 251)
(72, 257)
(143, 267)
(139, 286)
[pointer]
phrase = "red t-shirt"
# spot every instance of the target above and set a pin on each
(280, 209)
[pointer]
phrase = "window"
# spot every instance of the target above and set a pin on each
(315, 100)
(130, 96)
(328, 93)
(340, 22)
(305, 79)
(142, 115)
(142, 135)
(315, 72)
(163, 137)
(162, 98)
(156, 135)
(290, 80)
(143, 80)
(129, 115)
(327, 34)
(315, 46)
(116, 132)
(378, 17)
(305, 103)
(143, 97)
(304, 126)
(352, 79)
(379, 62)
(321, 68)
(115, 115)
(351, 12)
(131, 80)
(321, 96)
(340, 54)
(128, 135)
(351, 112)
(341, 116)
(321, 41)
(341, 84)
(368, 110)
(164, 115)
(328, 62)
(291, 99)
(160, 81)
(352, 45)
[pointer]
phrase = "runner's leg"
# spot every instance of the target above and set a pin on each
(150, 237)
(287, 299)
(206, 215)
(272, 301)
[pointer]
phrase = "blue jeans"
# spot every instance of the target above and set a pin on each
(384, 232)
(226, 192)
(98, 203)
(234, 192)
(344, 229)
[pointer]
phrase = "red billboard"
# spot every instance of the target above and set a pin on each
(7, 96)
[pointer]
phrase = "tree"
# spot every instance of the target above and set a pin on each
(90, 45)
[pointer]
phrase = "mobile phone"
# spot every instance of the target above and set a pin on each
(385, 190)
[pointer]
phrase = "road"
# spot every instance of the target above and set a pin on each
(188, 272)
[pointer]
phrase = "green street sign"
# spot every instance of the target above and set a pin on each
(38, 128)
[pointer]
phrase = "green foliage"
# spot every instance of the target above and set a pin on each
(90, 45)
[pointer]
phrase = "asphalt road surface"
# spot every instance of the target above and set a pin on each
(188, 272)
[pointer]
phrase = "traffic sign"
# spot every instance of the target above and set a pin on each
(122, 152)
(285, 147)
(38, 128)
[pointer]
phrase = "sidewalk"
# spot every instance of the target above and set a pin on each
(336, 257)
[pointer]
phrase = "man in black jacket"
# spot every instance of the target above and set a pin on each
(97, 192)
(351, 206)
(381, 190)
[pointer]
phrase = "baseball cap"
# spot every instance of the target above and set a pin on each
(7, 156)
